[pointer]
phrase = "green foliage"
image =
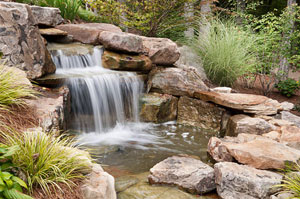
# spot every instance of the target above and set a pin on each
(12, 92)
(69, 8)
(149, 17)
(225, 51)
(10, 185)
(288, 87)
(47, 160)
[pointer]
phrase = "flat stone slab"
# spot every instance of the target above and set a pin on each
(187, 173)
(53, 32)
(255, 104)
(236, 181)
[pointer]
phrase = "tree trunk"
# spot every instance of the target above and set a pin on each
(205, 12)
(241, 5)
(188, 15)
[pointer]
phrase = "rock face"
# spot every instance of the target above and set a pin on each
(118, 61)
(284, 115)
(255, 104)
(254, 150)
(245, 124)
(185, 172)
(195, 112)
(240, 181)
(290, 134)
(161, 51)
(119, 41)
(47, 16)
(52, 109)
(88, 33)
(99, 185)
(158, 108)
(176, 81)
(20, 41)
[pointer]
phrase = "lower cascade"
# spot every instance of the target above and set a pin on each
(101, 98)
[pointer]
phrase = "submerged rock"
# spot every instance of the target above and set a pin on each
(118, 61)
(248, 103)
(47, 16)
(158, 108)
(120, 41)
(88, 33)
(244, 124)
(187, 173)
(21, 42)
(123, 183)
(198, 113)
(99, 185)
(176, 81)
(161, 51)
(239, 181)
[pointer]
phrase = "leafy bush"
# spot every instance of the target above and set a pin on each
(288, 87)
(12, 93)
(10, 185)
(47, 160)
(68, 8)
(225, 51)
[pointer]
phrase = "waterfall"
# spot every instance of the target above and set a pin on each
(110, 97)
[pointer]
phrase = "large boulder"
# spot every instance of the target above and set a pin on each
(244, 182)
(187, 173)
(99, 185)
(88, 33)
(198, 113)
(158, 108)
(46, 16)
(120, 41)
(290, 134)
(244, 124)
(253, 150)
(285, 115)
(255, 104)
(176, 81)
(161, 51)
(118, 61)
(52, 108)
(20, 41)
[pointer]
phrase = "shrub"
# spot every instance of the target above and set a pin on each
(288, 87)
(225, 51)
(47, 160)
(11, 92)
(10, 185)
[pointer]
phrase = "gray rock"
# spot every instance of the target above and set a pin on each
(158, 108)
(20, 41)
(176, 81)
(99, 185)
(88, 33)
(244, 124)
(283, 196)
(189, 58)
(285, 115)
(161, 51)
(187, 173)
(198, 113)
(119, 41)
(222, 89)
(47, 16)
(239, 181)
(287, 106)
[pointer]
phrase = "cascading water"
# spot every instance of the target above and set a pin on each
(110, 97)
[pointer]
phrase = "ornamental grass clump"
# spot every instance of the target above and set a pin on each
(46, 160)
(225, 51)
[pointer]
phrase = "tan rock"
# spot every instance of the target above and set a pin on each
(52, 32)
(160, 50)
(255, 104)
(120, 41)
(185, 172)
(290, 134)
(88, 33)
(118, 61)
(175, 81)
(158, 108)
(273, 135)
(244, 124)
(195, 112)
(218, 151)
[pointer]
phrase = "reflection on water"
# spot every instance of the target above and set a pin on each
(136, 147)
